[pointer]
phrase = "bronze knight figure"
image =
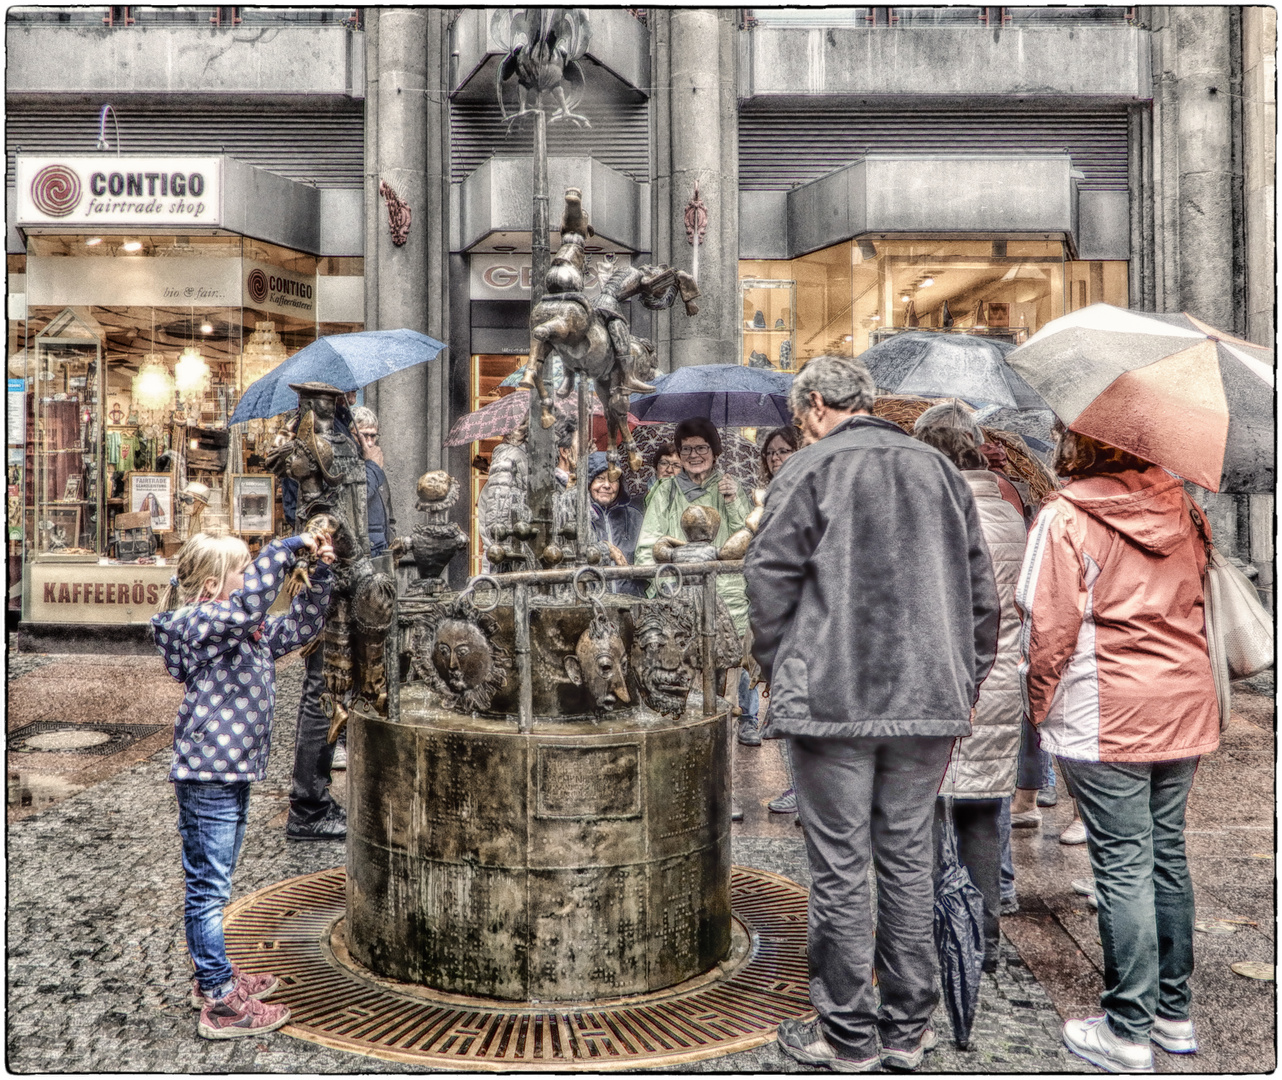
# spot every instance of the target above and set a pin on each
(329, 470)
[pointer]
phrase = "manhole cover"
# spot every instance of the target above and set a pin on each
(294, 929)
(67, 740)
(55, 737)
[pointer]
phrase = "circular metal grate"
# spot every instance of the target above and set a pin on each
(294, 929)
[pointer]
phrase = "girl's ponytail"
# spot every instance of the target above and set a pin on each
(204, 556)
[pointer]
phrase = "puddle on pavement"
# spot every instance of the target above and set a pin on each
(37, 790)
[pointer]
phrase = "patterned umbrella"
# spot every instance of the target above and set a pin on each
(739, 457)
(496, 419)
(1168, 388)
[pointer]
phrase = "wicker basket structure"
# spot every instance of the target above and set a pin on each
(904, 409)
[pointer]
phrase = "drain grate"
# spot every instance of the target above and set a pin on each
(294, 929)
(52, 736)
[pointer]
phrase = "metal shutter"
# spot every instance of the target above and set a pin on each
(619, 137)
(779, 149)
(327, 149)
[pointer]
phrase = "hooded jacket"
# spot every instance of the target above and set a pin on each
(874, 610)
(1113, 649)
(983, 765)
(225, 652)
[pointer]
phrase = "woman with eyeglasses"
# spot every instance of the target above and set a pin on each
(699, 483)
(776, 448)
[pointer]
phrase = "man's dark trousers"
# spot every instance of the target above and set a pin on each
(309, 799)
(857, 795)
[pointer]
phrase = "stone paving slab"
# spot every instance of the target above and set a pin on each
(98, 970)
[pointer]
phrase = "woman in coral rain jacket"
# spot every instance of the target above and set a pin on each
(1118, 683)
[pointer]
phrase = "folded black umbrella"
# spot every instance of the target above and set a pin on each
(959, 933)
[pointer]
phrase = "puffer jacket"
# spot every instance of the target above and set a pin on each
(1113, 649)
(983, 763)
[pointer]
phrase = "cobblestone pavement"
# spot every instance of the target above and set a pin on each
(98, 970)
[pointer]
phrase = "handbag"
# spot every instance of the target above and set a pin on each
(1239, 632)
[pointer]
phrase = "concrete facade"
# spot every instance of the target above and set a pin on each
(1195, 222)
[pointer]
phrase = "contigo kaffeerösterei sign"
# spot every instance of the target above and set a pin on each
(105, 190)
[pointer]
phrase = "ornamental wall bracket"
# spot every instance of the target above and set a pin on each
(398, 214)
(696, 217)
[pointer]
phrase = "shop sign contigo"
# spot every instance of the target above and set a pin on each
(279, 291)
(507, 277)
(109, 190)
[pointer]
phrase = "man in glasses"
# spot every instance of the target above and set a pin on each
(875, 618)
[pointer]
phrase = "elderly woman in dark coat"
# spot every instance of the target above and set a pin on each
(614, 518)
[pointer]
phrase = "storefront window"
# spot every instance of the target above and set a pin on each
(130, 354)
(848, 297)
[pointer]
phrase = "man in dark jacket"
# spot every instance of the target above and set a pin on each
(875, 618)
(382, 522)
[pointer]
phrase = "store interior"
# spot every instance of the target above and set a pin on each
(117, 408)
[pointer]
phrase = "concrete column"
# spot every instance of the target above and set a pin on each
(404, 285)
(702, 122)
(1259, 145)
(1259, 127)
(1193, 154)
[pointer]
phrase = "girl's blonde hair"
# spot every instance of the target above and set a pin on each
(204, 556)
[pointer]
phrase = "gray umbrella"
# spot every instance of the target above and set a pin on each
(949, 365)
(959, 932)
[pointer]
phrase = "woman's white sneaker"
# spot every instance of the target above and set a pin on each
(1174, 1036)
(1093, 1040)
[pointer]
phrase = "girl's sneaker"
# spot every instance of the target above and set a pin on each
(257, 986)
(238, 1015)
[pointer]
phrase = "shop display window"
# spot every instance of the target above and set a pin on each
(130, 354)
(767, 333)
(850, 296)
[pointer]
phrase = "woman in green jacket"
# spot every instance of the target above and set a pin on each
(700, 483)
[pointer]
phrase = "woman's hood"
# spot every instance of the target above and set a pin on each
(1146, 507)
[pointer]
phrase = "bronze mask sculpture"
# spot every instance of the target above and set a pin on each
(600, 664)
(454, 649)
(664, 648)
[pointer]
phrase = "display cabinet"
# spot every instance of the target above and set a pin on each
(768, 327)
(68, 381)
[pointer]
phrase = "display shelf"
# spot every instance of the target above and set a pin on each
(767, 327)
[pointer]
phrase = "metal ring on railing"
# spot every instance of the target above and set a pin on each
(489, 581)
(662, 587)
(581, 588)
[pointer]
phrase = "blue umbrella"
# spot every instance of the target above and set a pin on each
(726, 394)
(346, 361)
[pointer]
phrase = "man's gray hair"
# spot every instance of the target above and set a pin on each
(951, 414)
(364, 417)
(842, 382)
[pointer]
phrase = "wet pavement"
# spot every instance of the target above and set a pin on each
(97, 964)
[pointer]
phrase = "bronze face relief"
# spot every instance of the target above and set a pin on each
(600, 665)
(664, 644)
(454, 648)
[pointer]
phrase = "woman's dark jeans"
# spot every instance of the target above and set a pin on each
(1134, 817)
(211, 822)
(1033, 766)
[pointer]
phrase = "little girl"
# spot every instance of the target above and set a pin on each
(222, 644)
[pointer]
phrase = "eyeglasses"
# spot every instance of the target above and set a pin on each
(778, 453)
(369, 436)
(687, 450)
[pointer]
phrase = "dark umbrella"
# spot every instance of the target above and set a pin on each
(346, 361)
(949, 365)
(726, 394)
(959, 933)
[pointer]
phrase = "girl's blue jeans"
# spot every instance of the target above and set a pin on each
(211, 822)
(1034, 769)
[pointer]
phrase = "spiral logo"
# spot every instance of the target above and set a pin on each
(257, 286)
(55, 191)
